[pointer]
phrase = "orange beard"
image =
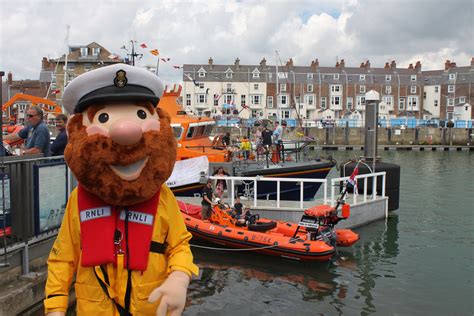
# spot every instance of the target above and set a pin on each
(90, 157)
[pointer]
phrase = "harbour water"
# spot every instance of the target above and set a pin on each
(418, 262)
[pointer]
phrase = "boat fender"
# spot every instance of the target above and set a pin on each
(246, 238)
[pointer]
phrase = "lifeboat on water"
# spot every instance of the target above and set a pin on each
(312, 239)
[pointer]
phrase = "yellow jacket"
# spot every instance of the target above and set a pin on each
(245, 145)
(65, 257)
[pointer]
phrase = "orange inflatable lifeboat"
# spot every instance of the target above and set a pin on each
(312, 239)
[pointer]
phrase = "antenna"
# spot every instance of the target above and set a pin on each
(66, 42)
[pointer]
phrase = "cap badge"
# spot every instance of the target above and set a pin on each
(120, 79)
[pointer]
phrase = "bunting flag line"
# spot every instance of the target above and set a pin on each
(56, 91)
(193, 80)
(155, 52)
(217, 97)
(244, 106)
(165, 59)
(113, 56)
(177, 67)
(143, 45)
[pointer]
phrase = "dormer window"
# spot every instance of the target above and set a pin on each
(229, 73)
(336, 76)
(388, 78)
(362, 77)
(309, 76)
(201, 73)
(256, 74)
(84, 51)
(95, 51)
(413, 77)
(452, 76)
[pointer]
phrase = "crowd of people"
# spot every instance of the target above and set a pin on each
(37, 137)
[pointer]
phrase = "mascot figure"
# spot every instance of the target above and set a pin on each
(122, 236)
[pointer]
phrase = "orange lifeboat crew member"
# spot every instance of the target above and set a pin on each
(122, 234)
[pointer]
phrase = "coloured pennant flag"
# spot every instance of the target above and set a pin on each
(165, 59)
(244, 106)
(143, 45)
(113, 56)
(352, 182)
(56, 91)
(177, 67)
(217, 97)
(155, 52)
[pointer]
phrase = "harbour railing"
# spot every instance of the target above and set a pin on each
(338, 182)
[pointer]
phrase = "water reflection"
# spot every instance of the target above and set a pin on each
(246, 283)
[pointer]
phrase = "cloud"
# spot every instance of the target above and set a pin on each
(192, 31)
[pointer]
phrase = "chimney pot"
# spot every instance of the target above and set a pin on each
(393, 65)
(10, 78)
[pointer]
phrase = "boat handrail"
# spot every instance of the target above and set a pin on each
(301, 181)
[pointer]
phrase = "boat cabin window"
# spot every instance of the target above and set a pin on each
(200, 131)
(177, 131)
(190, 133)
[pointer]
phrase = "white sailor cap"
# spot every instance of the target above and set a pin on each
(118, 82)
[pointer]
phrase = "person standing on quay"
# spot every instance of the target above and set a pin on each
(35, 133)
(57, 147)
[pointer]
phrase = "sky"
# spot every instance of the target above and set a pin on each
(189, 32)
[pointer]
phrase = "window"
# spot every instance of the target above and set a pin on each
(412, 89)
(424, 95)
(283, 99)
(84, 51)
(462, 100)
(436, 89)
(285, 114)
(360, 101)
(336, 76)
(451, 88)
(270, 102)
(388, 78)
(388, 100)
(256, 99)
(201, 74)
(201, 85)
(229, 98)
(188, 99)
(242, 100)
(450, 101)
(216, 99)
(362, 89)
(201, 98)
(401, 104)
(255, 86)
(349, 103)
(309, 99)
(335, 88)
(362, 77)
(229, 88)
(309, 88)
(283, 87)
(335, 101)
(413, 78)
(452, 76)
(388, 89)
(309, 76)
(323, 103)
(412, 103)
(95, 51)
(254, 113)
(435, 102)
(255, 74)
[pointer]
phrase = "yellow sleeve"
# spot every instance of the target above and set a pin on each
(178, 250)
(63, 259)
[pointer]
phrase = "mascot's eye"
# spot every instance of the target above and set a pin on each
(141, 114)
(104, 117)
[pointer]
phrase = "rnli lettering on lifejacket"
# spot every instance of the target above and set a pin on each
(138, 217)
(94, 213)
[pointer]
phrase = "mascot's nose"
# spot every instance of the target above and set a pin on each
(125, 132)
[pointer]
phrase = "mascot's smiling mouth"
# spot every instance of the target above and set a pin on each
(130, 172)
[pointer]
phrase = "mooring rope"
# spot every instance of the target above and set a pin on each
(244, 249)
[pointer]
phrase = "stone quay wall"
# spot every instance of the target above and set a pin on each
(386, 136)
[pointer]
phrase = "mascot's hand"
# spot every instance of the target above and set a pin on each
(172, 293)
(56, 314)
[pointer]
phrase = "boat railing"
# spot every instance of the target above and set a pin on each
(335, 182)
(365, 195)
